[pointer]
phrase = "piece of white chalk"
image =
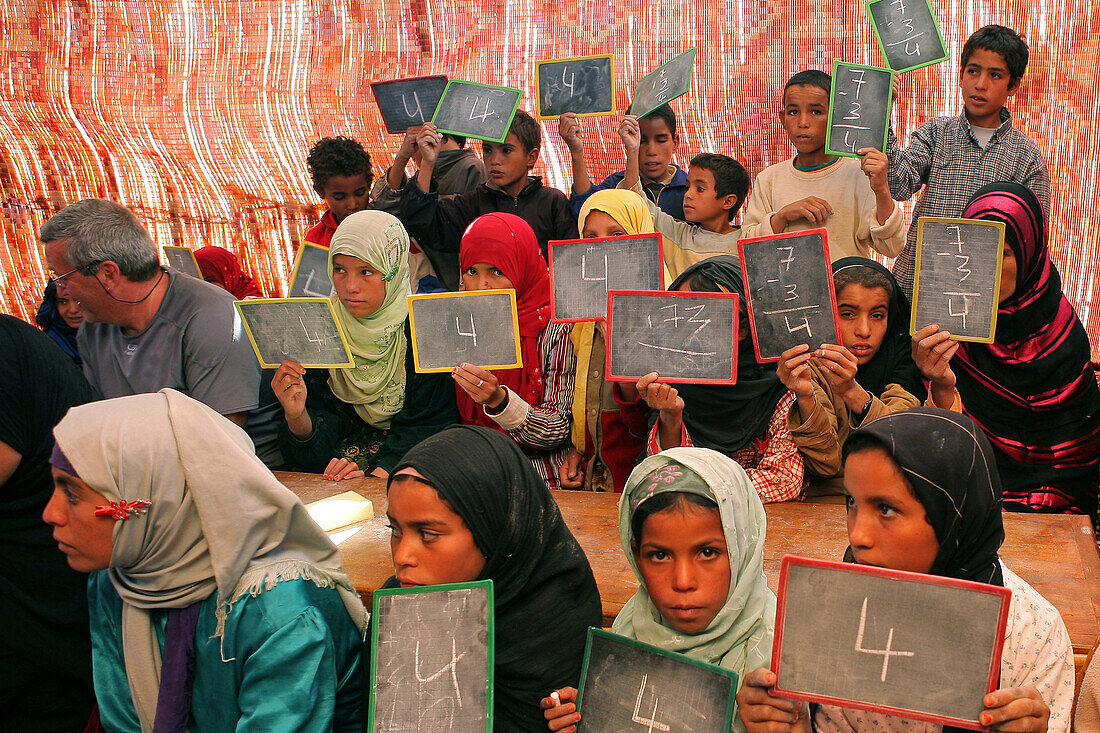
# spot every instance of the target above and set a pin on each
(556, 696)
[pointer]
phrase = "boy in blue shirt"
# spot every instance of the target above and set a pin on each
(663, 182)
(952, 157)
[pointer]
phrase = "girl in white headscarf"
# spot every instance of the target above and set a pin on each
(215, 602)
(693, 528)
(345, 423)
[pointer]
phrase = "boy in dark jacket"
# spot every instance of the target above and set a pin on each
(438, 223)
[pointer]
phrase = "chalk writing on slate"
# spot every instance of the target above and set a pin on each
(183, 259)
(309, 278)
(479, 327)
(919, 646)
(668, 81)
(432, 658)
(684, 337)
(302, 329)
(583, 270)
(584, 85)
(630, 686)
(907, 33)
(474, 110)
(958, 277)
(859, 109)
(406, 103)
(789, 283)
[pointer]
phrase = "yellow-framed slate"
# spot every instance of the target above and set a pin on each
(429, 321)
(183, 259)
(254, 318)
(300, 292)
(541, 104)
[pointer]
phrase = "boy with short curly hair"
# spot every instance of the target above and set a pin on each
(341, 173)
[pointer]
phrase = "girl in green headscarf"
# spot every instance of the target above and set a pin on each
(345, 423)
(693, 527)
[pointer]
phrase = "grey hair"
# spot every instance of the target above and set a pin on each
(98, 231)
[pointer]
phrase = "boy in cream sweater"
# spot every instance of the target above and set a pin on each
(849, 197)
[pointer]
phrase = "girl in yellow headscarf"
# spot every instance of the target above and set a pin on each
(608, 431)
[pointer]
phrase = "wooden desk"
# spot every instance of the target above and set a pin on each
(1056, 554)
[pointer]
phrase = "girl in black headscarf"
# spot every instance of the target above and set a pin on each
(746, 421)
(466, 504)
(839, 387)
(924, 496)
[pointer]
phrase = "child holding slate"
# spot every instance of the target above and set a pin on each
(693, 529)
(717, 186)
(1032, 390)
(608, 433)
(873, 374)
(924, 496)
(533, 403)
(347, 422)
(438, 223)
(663, 182)
(850, 198)
(952, 157)
(465, 505)
(340, 169)
(746, 421)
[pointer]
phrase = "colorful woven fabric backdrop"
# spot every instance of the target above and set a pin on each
(198, 114)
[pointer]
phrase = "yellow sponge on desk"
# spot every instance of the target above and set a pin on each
(340, 510)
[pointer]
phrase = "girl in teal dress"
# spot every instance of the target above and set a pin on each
(215, 602)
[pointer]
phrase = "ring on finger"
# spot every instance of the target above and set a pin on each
(480, 382)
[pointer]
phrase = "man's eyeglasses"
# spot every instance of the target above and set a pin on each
(58, 278)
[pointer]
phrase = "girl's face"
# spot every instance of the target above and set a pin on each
(483, 276)
(887, 525)
(360, 289)
(430, 544)
(601, 224)
(69, 310)
(86, 540)
(1008, 274)
(863, 319)
(682, 557)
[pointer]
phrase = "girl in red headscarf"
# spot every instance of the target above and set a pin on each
(221, 267)
(532, 404)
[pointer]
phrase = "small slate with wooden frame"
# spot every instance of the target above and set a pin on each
(431, 658)
(789, 287)
(302, 329)
(406, 103)
(479, 327)
(629, 685)
(907, 33)
(583, 85)
(957, 278)
(684, 337)
(479, 111)
(582, 271)
(907, 644)
(309, 278)
(183, 259)
(859, 109)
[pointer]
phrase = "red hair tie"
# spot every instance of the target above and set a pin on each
(123, 509)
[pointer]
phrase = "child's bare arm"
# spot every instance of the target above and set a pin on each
(875, 164)
(396, 175)
(631, 135)
(429, 141)
(569, 127)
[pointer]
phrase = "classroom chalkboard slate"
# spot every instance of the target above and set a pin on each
(479, 111)
(630, 686)
(431, 657)
(479, 327)
(907, 33)
(183, 259)
(684, 337)
(584, 85)
(302, 329)
(789, 284)
(406, 103)
(309, 278)
(583, 270)
(859, 109)
(668, 81)
(958, 277)
(918, 646)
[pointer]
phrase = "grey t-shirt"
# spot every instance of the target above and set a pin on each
(195, 344)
